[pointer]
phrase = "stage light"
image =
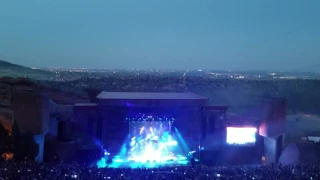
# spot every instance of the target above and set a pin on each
(74, 176)
(149, 118)
(102, 163)
(172, 143)
(153, 143)
(106, 153)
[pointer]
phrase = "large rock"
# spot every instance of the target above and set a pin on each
(305, 152)
(6, 116)
(309, 152)
(5, 95)
(290, 155)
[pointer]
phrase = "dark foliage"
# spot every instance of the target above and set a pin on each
(4, 136)
(24, 81)
(7, 80)
(93, 93)
(23, 145)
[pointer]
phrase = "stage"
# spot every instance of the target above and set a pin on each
(159, 129)
(144, 129)
(178, 161)
(118, 162)
(152, 141)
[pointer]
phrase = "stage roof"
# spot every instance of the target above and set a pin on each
(86, 104)
(149, 96)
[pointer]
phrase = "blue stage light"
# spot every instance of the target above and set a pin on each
(151, 145)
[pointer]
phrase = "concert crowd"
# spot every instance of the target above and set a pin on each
(36, 171)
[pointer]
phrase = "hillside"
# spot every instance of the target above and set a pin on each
(7, 65)
(302, 95)
(14, 70)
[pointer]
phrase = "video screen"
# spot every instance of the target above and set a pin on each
(245, 136)
(152, 142)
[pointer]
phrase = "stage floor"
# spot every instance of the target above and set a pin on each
(118, 162)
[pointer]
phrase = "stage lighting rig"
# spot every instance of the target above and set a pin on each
(149, 118)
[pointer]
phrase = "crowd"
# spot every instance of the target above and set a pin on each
(37, 171)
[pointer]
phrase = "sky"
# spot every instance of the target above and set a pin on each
(161, 34)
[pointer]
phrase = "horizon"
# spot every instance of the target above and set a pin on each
(159, 69)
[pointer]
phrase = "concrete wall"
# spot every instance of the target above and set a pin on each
(273, 148)
(189, 124)
(84, 116)
(64, 150)
(214, 129)
(114, 129)
(53, 127)
(270, 150)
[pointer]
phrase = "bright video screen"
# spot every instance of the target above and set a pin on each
(152, 142)
(241, 136)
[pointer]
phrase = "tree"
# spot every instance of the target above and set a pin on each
(29, 146)
(7, 80)
(4, 134)
(14, 141)
(92, 93)
(24, 81)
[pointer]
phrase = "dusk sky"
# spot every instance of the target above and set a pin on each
(184, 34)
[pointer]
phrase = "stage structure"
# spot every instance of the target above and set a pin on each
(228, 140)
(141, 129)
(150, 128)
(158, 128)
(243, 144)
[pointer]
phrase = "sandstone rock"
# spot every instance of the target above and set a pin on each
(5, 95)
(6, 117)
(290, 155)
